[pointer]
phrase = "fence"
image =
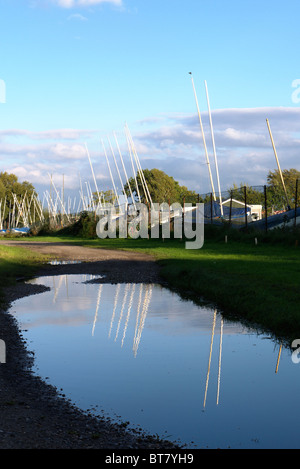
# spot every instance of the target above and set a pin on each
(262, 207)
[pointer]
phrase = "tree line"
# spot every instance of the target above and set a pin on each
(164, 188)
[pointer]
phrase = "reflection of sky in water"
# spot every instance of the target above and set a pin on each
(140, 352)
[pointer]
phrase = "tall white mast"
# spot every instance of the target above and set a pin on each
(277, 160)
(117, 168)
(110, 173)
(214, 148)
(58, 198)
(139, 168)
(203, 137)
(95, 182)
(81, 194)
(132, 165)
(124, 169)
(139, 171)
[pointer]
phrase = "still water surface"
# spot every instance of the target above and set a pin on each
(141, 354)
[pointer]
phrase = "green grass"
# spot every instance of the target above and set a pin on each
(259, 284)
(16, 263)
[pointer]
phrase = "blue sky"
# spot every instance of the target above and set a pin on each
(77, 70)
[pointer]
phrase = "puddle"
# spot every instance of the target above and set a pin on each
(142, 354)
(59, 262)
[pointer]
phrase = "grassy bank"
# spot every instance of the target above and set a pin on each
(258, 283)
(16, 263)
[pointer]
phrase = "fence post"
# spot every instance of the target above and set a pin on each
(230, 207)
(211, 208)
(266, 209)
(183, 216)
(245, 195)
(296, 195)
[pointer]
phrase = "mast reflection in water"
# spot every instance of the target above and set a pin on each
(140, 353)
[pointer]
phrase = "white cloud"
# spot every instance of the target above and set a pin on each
(243, 145)
(77, 16)
(84, 3)
(61, 134)
(68, 152)
(172, 143)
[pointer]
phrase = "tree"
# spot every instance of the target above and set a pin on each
(253, 196)
(276, 191)
(185, 195)
(162, 188)
(10, 187)
(106, 196)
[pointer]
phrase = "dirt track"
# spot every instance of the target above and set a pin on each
(32, 413)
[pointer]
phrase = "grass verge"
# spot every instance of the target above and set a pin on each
(17, 263)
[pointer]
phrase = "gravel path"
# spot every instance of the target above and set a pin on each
(33, 414)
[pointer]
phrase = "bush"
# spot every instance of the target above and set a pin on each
(84, 227)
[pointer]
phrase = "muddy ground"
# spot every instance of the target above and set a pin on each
(35, 415)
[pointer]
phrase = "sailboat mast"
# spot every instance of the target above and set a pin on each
(117, 168)
(140, 171)
(93, 174)
(124, 169)
(203, 137)
(110, 173)
(132, 166)
(214, 147)
(277, 160)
